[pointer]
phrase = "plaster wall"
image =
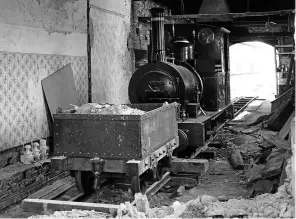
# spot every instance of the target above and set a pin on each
(37, 38)
(111, 60)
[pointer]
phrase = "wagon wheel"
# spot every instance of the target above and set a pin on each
(84, 181)
(158, 172)
(138, 185)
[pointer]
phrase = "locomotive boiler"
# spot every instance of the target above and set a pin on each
(190, 75)
(162, 81)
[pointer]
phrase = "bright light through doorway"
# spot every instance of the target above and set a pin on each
(252, 70)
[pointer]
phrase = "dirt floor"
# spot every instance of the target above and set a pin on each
(221, 180)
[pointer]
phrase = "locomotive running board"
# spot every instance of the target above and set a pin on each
(210, 125)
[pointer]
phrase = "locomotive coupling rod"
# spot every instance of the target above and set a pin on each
(97, 168)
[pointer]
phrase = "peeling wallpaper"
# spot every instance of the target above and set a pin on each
(112, 64)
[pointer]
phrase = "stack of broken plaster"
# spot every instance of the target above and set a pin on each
(278, 205)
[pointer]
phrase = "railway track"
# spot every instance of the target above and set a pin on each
(63, 195)
(241, 103)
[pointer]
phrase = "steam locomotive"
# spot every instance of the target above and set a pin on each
(140, 147)
(195, 75)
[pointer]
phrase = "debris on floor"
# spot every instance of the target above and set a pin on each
(280, 204)
(73, 214)
(244, 179)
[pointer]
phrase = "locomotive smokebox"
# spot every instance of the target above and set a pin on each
(157, 35)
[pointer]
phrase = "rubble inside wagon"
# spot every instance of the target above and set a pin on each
(103, 109)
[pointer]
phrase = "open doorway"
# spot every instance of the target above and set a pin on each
(252, 70)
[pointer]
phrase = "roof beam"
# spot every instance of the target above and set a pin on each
(193, 18)
(259, 36)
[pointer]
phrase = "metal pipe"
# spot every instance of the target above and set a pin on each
(157, 35)
(89, 39)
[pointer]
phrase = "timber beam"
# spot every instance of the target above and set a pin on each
(194, 18)
(41, 206)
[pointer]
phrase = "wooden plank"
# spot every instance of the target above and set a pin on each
(41, 206)
(59, 190)
(283, 173)
(215, 17)
(155, 187)
(286, 128)
(282, 46)
(59, 89)
(180, 165)
(185, 180)
(278, 142)
(274, 163)
(28, 190)
(283, 98)
(285, 53)
(76, 196)
(49, 189)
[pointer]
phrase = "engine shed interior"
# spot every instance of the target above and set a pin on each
(147, 108)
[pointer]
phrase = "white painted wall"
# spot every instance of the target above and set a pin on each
(43, 27)
(118, 6)
(14, 38)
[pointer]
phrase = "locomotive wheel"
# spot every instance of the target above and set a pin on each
(84, 181)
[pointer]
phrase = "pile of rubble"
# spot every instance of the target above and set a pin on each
(280, 204)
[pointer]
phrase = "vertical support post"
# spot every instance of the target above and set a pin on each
(291, 66)
(276, 73)
(248, 6)
(227, 68)
(89, 32)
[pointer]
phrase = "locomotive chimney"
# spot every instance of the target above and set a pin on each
(157, 35)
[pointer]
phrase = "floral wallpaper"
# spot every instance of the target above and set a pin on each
(23, 113)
